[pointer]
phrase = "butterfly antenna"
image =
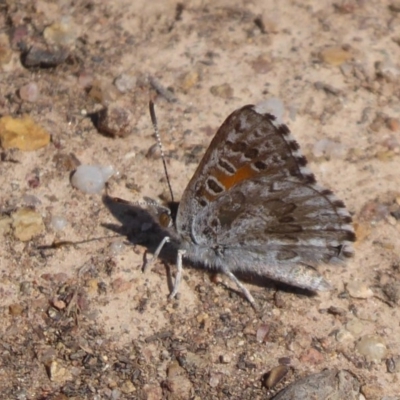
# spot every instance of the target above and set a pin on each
(158, 138)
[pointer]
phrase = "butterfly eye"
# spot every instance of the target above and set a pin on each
(165, 220)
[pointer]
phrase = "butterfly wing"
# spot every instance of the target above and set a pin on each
(254, 202)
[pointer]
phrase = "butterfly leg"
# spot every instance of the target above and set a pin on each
(178, 277)
(156, 253)
(240, 285)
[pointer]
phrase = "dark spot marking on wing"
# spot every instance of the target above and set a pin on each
(227, 167)
(251, 153)
(214, 186)
(239, 147)
(260, 165)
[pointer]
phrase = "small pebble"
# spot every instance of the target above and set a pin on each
(121, 285)
(372, 390)
(359, 290)
(53, 313)
(154, 152)
(201, 318)
(93, 286)
(29, 92)
(66, 162)
(116, 247)
(312, 357)
(33, 180)
(388, 70)
(225, 359)
(153, 392)
(5, 225)
(177, 382)
(328, 384)
(335, 56)
(214, 380)
(224, 91)
(334, 310)
(392, 291)
(58, 222)
(343, 336)
(114, 120)
(61, 33)
(5, 49)
(393, 364)
(25, 287)
(103, 92)
(125, 83)
(22, 133)
(57, 373)
(18, 35)
(91, 178)
(128, 387)
(356, 327)
(27, 224)
(262, 332)
(372, 347)
(327, 88)
(59, 304)
(188, 80)
(274, 376)
(15, 309)
(44, 57)
(393, 124)
(261, 65)
(29, 200)
(115, 394)
(284, 361)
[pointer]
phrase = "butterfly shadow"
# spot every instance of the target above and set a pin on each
(269, 284)
(140, 228)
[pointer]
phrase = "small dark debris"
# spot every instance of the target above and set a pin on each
(323, 385)
(161, 90)
(337, 311)
(327, 88)
(178, 11)
(273, 377)
(158, 336)
(393, 364)
(243, 364)
(260, 24)
(44, 57)
(112, 121)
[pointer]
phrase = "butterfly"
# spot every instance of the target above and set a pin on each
(253, 207)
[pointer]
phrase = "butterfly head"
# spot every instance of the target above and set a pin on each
(167, 214)
(164, 215)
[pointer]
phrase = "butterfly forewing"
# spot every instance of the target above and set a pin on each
(248, 144)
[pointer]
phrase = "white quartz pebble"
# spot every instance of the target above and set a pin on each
(58, 222)
(91, 178)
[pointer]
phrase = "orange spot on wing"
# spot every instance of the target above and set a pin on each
(242, 173)
(228, 181)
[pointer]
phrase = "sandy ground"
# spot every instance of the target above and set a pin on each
(83, 321)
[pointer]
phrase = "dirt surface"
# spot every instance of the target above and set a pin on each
(83, 321)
